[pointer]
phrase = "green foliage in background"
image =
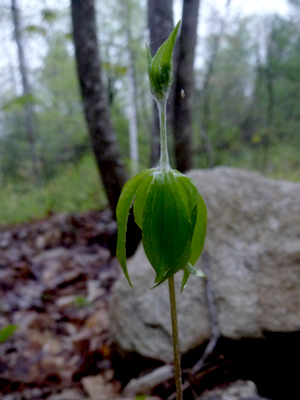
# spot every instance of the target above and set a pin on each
(246, 114)
(76, 188)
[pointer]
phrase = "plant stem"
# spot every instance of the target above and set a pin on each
(164, 156)
(175, 338)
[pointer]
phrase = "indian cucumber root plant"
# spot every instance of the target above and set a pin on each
(166, 205)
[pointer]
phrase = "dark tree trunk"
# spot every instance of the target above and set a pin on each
(160, 23)
(29, 121)
(96, 109)
(184, 80)
(95, 100)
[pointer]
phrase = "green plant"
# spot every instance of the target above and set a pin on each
(81, 301)
(75, 189)
(166, 205)
(6, 332)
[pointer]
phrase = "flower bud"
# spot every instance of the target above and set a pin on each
(160, 67)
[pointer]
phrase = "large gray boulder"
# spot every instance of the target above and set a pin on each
(253, 241)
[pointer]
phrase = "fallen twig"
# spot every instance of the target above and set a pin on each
(148, 382)
(214, 328)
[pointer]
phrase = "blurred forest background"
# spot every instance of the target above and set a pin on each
(246, 108)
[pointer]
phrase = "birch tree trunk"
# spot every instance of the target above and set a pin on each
(27, 93)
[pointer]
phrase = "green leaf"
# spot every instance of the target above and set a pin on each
(194, 198)
(35, 29)
(49, 15)
(19, 101)
(186, 275)
(188, 190)
(6, 332)
(177, 266)
(123, 208)
(165, 224)
(82, 301)
(199, 231)
(186, 255)
(160, 68)
(140, 200)
(189, 269)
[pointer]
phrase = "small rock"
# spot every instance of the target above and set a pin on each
(67, 394)
(97, 388)
(239, 390)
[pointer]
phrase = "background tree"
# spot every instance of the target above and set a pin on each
(95, 101)
(223, 99)
(96, 110)
(133, 122)
(247, 69)
(179, 111)
(27, 92)
(184, 80)
(213, 49)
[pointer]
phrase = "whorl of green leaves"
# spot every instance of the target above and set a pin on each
(172, 216)
(160, 67)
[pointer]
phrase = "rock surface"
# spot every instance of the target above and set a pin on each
(239, 390)
(253, 241)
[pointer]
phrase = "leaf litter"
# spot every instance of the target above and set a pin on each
(55, 279)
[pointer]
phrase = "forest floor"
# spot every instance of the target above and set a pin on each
(56, 275)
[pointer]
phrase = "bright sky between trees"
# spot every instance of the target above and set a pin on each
(242, 6)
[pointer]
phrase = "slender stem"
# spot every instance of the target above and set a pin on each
(164, 156)
(175, 338)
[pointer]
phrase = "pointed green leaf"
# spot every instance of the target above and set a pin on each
(186, 256)
(188, 190)
(177, 266)
(123, 208)
(193, 197)
(140, 200)
(185, 278)
(199, 231)
(189, 269)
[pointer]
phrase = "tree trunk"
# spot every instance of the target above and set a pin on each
(133, 124)
(95, 100)
(184, 80)
(27, 93)
(95, 103)
(160, 23)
